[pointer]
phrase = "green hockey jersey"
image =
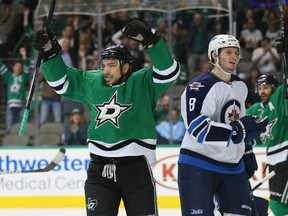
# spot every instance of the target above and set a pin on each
(15, 85)
(275, 137)
(122, 122)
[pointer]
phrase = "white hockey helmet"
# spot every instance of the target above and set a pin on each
(222, 41)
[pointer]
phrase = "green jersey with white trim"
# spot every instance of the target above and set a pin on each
(122, 122)
(275, 137)
(15, 85)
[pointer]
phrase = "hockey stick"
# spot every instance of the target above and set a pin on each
(254, 204)
(283, 17)
(270, 175)
(58, 158)
(35, 76)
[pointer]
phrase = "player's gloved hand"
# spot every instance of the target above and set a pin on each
(46, 40)
(247, 128)
(282, 45)
(250, 160)
(140, 32)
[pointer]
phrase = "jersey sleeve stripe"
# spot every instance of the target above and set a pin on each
(167, 75)
(60, 86)
(200, 128)
(202, 135)
(58, 82)
(167, 71)
(196, 123)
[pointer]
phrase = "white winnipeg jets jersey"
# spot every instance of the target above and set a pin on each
(208, 105)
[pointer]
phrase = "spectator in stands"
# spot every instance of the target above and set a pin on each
(28, 31)
(75, 131)
(138, 55)
(71, 32)
(261, 18)
(179, 48)
(220, 23)
(69, 55)
(198, 39)
(250, 38)
(82, 57)
(108, 31)
(162, 110)
(16, 81)
(7, 23)
(272, 32)
(88, 36)
(68, 106)
(51, 101)
(175, 128)
(93, 60)
(206, 66)
(162, 29)
(266, 58)
(242, 17)
(251, 83)
(135, 47)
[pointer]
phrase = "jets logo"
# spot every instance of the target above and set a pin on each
(110, 111)
(230, 111)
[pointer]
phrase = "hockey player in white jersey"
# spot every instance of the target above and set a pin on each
(213, 159)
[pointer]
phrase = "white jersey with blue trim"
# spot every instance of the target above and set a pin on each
(208, 105)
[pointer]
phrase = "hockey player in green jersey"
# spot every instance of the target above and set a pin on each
(275, 139)
(121, 134)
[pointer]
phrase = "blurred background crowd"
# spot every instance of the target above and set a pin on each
(64, 122)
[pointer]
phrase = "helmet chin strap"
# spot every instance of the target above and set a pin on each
(220, 68)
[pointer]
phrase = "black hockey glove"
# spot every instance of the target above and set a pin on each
(45, 39)
(282, 45)
(250, 160)
(140, 32)
(248, 128)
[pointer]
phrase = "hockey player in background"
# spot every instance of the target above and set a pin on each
(213, 160)
(121, 135)
(275, 139)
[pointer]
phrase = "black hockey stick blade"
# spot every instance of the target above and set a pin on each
(58, 158)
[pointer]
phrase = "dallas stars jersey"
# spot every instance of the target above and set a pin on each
(122, 121)
(208, 105)
(275, 137)
(15, 85)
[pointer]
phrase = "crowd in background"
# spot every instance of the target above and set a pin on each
(257, 29)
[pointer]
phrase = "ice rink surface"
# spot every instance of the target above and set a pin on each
(71, 212)
(74, 212)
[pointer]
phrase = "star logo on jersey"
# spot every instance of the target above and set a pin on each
(110, 111)
(267, 134)
(195, 86)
